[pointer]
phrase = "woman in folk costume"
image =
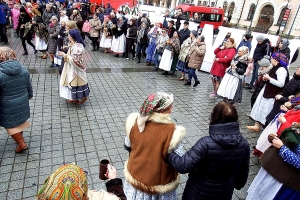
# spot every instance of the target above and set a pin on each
(182, 64)
(151, 136)
(107, 35)
(70, 182)
(279, 176)
(15, 14)
(276, 80)
(170, 55)
(119, 38)
(231, 87)
(282, 120)
(153, 35)
(73, 82)
(41, 33)
(196, 54)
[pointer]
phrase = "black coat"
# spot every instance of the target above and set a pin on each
(184, 34)
(260, 51)
(216, 164)
(291, 88)
(144, 39)
(258, 87)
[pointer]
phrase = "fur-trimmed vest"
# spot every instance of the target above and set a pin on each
(148, 168)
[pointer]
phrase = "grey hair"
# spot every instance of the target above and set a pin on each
(201, 37)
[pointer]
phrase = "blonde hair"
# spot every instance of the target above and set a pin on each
(71, 24)
(7, 53)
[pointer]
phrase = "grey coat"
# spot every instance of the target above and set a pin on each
(53, 33)
(15, 92)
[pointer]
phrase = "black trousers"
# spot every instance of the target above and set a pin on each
(130, 47)
(95, 42)
(141, 49)
(3, 33)
(28, 39)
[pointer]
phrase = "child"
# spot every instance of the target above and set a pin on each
(86, 28)
(15, 12)
(248, 70)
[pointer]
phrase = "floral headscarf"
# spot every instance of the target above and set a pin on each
(158, 102)
(281, 58)
(7, 53)
(67, 182)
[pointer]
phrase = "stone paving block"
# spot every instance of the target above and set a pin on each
(14, 194)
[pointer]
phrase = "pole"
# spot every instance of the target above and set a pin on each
(249, 30)
(240, 14)
(293, 22)
(278, 31)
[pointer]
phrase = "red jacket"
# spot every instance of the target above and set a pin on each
(291, 116)
(225, 56)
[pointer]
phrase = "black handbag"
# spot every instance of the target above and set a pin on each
(241, 68)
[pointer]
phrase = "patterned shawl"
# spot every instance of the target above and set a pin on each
(67, 182)
(41, 31)
(158, 102)
(281, 58)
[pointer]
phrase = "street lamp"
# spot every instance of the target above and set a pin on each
(249, 30)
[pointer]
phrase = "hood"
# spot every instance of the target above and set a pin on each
(285, 43)
(227, 135)
(11, 67)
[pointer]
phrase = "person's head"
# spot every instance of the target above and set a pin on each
(171, 23)
(75, 37)
(223, 113)
(160, 102)
(53, 19)
(167, 12)
(112, 15)
(264, 63)
(283, 44)
(186, 25)
(279, 58)
(156, 25)
(179, 11)
(247, 37)
(200, 39)
(229, 43)
(196, 16)
(132, 22)
(193, 34)
(260, 38)
(28, 5)
(121, 19)
(6, 54)
(75, 12)
(242, 51)
(95, 16)
(163, 32)
(144, 24)
(70, 178)
(228, 34)
(74, 5)
(62, 13)
(70, 25)
(48, 7)
(175, 34)
(298, 71)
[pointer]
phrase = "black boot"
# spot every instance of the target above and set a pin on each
(25, 53)
(188, 83)
(35, 51)
(165, 73)
(156, 69)
(52, 64)
(196, 83)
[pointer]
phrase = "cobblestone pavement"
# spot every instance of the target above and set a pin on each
(62, 133)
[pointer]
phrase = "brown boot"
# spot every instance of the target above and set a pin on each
(22, 146)
(82, 101)
(256, 127)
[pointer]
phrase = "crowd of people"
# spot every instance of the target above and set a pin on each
(152, 169)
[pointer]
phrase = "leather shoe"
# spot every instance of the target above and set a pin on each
(165, 73)
(196, 83)
(188, 83)
(25, 53)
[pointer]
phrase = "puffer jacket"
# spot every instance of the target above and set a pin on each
(216, 164)
(291, 88)
(96, 26)
(15, 90)
(197, 53)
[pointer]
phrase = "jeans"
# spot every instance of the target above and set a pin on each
(3, 33)
(141, 49)
(192, 74)
(254, 74)
(157, 59)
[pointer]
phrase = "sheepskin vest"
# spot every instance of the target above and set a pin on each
(147, 168)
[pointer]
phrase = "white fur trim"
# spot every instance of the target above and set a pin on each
(131, 119)
(160, 118)
(177, 136)
(157, 189)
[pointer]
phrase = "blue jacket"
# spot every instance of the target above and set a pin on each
(216, 164)
(244, 43)
(15, 90)
(4, 12)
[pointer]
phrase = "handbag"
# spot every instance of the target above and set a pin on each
(241, 68)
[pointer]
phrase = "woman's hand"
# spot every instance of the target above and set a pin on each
(277, 142)
(281, 118)
(290, 97)
(111, 172)
(278, 97)
(283, 108)
(60, 53)
(266, 77)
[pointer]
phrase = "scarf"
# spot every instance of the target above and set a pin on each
(76, 36)
(67, 182)
(281, 58)
(140, 34)
(261, 71)
(41, 32)
(158, 102)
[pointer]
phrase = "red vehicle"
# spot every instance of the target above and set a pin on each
(208, 15)
(116, 3)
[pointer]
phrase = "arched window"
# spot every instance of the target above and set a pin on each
(212, 4)
(231, 9)
(281, 16)
(204, 3)
(251, 12)
(225, 6)
(199, 3)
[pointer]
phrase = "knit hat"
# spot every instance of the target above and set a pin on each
(244, 49)
(54, 18)
(264, 62)
(195, 33)
(260, 38)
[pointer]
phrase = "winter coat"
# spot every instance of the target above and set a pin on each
(53, 33)
(144, 39)
(132, 32)
(15, 91)
(185, 48)
(260, 83)
(22, 22)
(4, 12)
(216, 164)
(15, 13)
(246, 43)
(260, 51)
(96, 26)
(291, 88)
(117, 33)
(184, 34)
(197, 53)
(47, 16)
(286, 51)
(225, 57)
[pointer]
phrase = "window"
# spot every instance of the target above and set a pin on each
(281, 16)
(199, 3)
(204, 3)
(212, 4)
(214, 17)
(251, 12)
(187, 15)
